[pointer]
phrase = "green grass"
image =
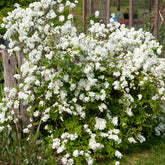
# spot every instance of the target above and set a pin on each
(153, 156)
(148, 154)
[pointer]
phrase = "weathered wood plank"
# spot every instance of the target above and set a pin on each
(10, 68)
(23, 109)
(10, 64)
(131, 13)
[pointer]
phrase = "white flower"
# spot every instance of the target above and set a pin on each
(61, 18)
(16, 49)
(116, 85)
(106, 84)
(26, 130)
(59, 1)
(114, 137)
(47, 110)
(76, 153)
(17, 76)
(36, 113)
(65, 135)
(155, 97)
(115, 121)
(81, 153)
(70, 16)
(116, 74)
(132, 140)
(42, 103)
(45, 117)
(48, 95)
(100, 124)
(102, 106)
(74, 99)
(13, 92)
(16, 104)
(64, 160)
(61, 149)
(70, 162)
(85, 126)
(22, 95)
(63, 94)
(92, 22)
(129, 111)
(86, 99)
(90, 161)
(141, 138)
(93, 145)
(61, 8)
(73, 136)
(46, 127)
(67, 155)
(56, 143)
(72, 87)
(37, 83)
(87, 69)
(161, 90)
(140, 96)
(2, 25)
(97, 13)
(97, 65)
(2, 47)
(159, 51)
(117, 163)
(2, 117)
(118, 154)
(116, 131)
(29, 126)
(76, 1)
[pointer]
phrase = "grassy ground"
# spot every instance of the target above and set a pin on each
(152, 154)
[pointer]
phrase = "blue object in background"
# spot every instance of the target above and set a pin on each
(115, 19)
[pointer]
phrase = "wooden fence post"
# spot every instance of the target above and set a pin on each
(130, 13)
(10, 69)
(91, 7)
(85, 14)
(108, 12)
(118, 5)
(23, 109)
(156, 21)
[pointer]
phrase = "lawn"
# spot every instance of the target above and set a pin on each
(148, 154)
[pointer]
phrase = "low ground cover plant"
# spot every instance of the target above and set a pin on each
(88, 97)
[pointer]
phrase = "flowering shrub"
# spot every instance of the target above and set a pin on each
(90, 96)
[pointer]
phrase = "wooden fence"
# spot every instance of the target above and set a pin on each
(10, 66)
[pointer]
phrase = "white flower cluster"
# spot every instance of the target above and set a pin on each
(112, 134)
(100, 124)
(93, 145)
